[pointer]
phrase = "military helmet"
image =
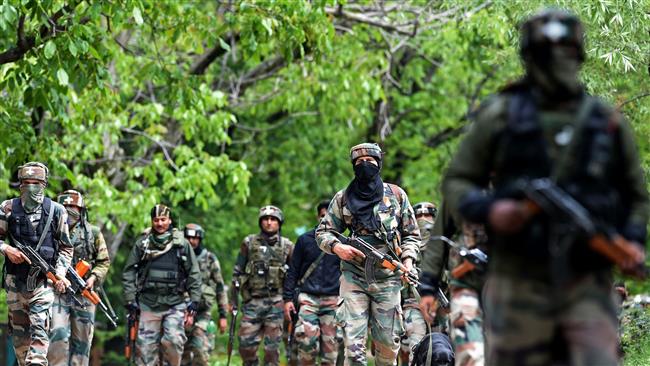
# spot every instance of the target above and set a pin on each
(194, 231)
(366, 149)
(272, 211)
(425, 208)
(551, 27)
(71, 198)
(33, 170)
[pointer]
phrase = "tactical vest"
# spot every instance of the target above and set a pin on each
(21, 229)
(167, 271)
(83, 239)
(266, 266)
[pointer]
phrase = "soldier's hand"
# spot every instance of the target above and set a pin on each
(223, 325)
(90, 282)
(428, 308)
(347, 252)
(61, 285)
(507, 216)
(289, 309)
(16, 256)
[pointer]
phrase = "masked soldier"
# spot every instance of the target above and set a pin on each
(312, 284)
(548, 296)
(73, 325)
(260, 269)
(36, 221)
(414, 322)
(159, 271)
(380, 214)
(199, 341)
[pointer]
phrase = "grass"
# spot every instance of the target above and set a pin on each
(636, 337)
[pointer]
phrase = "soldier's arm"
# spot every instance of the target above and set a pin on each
(434, 257)
(333, 221)
(66, 249)
(409, 230)
(102, 261)
(5, 211)
(242, 259)
(193, 274)
(469, 171)
(129, 274)
(222, 297)
(291, 279)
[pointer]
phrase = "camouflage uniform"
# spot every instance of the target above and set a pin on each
(73, 325)
(261, 266)
(158, 273)
(28, 302)
(375, 301)
(199, 343)
(545, 289)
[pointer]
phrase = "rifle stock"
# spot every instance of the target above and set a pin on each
(234, 301)
(462, 269)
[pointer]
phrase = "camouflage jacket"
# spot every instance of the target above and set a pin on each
(398, 228)
(90, 246)
(212, 286)
(61, 233)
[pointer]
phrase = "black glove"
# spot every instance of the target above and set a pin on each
(193, 307)
(132, 307)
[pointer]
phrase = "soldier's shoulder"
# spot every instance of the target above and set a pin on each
(495, 106)
(612, 114)
(5, 206)
(58, 208)
(95, 229)
(286, 241)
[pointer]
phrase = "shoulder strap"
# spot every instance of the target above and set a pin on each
(310, 269)
(50, 216)
(396, 191)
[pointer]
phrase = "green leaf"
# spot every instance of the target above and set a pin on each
(49, 50)
(224, 45)
(63, 77)
(72, 48)
(137, 15)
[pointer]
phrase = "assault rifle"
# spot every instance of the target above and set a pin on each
(132, 323)
(375, 256)
(444, 301)
(290, 338)
(36, 261)
(544, 196)
(234, 301)
(75, 276)
(472, 258)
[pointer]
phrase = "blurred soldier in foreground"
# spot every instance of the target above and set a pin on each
(260, 269)
(569, 199)
(312, 290)
(199, 343)
(160, 269)
(380, 214)
(73, 325)
(35, 221)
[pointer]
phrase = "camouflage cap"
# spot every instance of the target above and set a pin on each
(33, 170)
(425, 208)
(160, 210)
(194, 231)
(366, 149)
(271, 211)
(71, 198)
(552, 27)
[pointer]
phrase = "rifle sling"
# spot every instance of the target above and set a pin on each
(310, 269)
(50, 216)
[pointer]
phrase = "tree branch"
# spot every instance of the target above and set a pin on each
(633, 99)
(203, 62)
(162, 144)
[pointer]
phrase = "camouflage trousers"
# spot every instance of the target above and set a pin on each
(199, 345)
(414, 325)
(29, 321)
(316, 330)
(161, 336)
(72, 332)
(467, 327)
(262, 317)
(376, 306)
(527, 320)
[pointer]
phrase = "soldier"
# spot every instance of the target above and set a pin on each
(36, 221)
(313, 278)
(159, 271)
(260, 269)
(548, 285)
(199, 342)
(466, 315)
(73, 325)
(379, 213)
(414, 322)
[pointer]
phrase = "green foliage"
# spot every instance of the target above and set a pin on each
(635, 339)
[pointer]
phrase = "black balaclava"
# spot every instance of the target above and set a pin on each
(198, 249)
(364, 192)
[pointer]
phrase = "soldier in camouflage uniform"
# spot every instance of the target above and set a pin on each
(466, 317)
(73, 325)
(548, 297)
(159, 271)
(314, 277)
(414, 321)
(260, 269)
(32, 220)
(381, 214)
(199, 343)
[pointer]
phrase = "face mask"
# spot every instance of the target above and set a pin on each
(73, 216)
(32, 196)
(558, 74)
(198, 249)
(366, 171)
